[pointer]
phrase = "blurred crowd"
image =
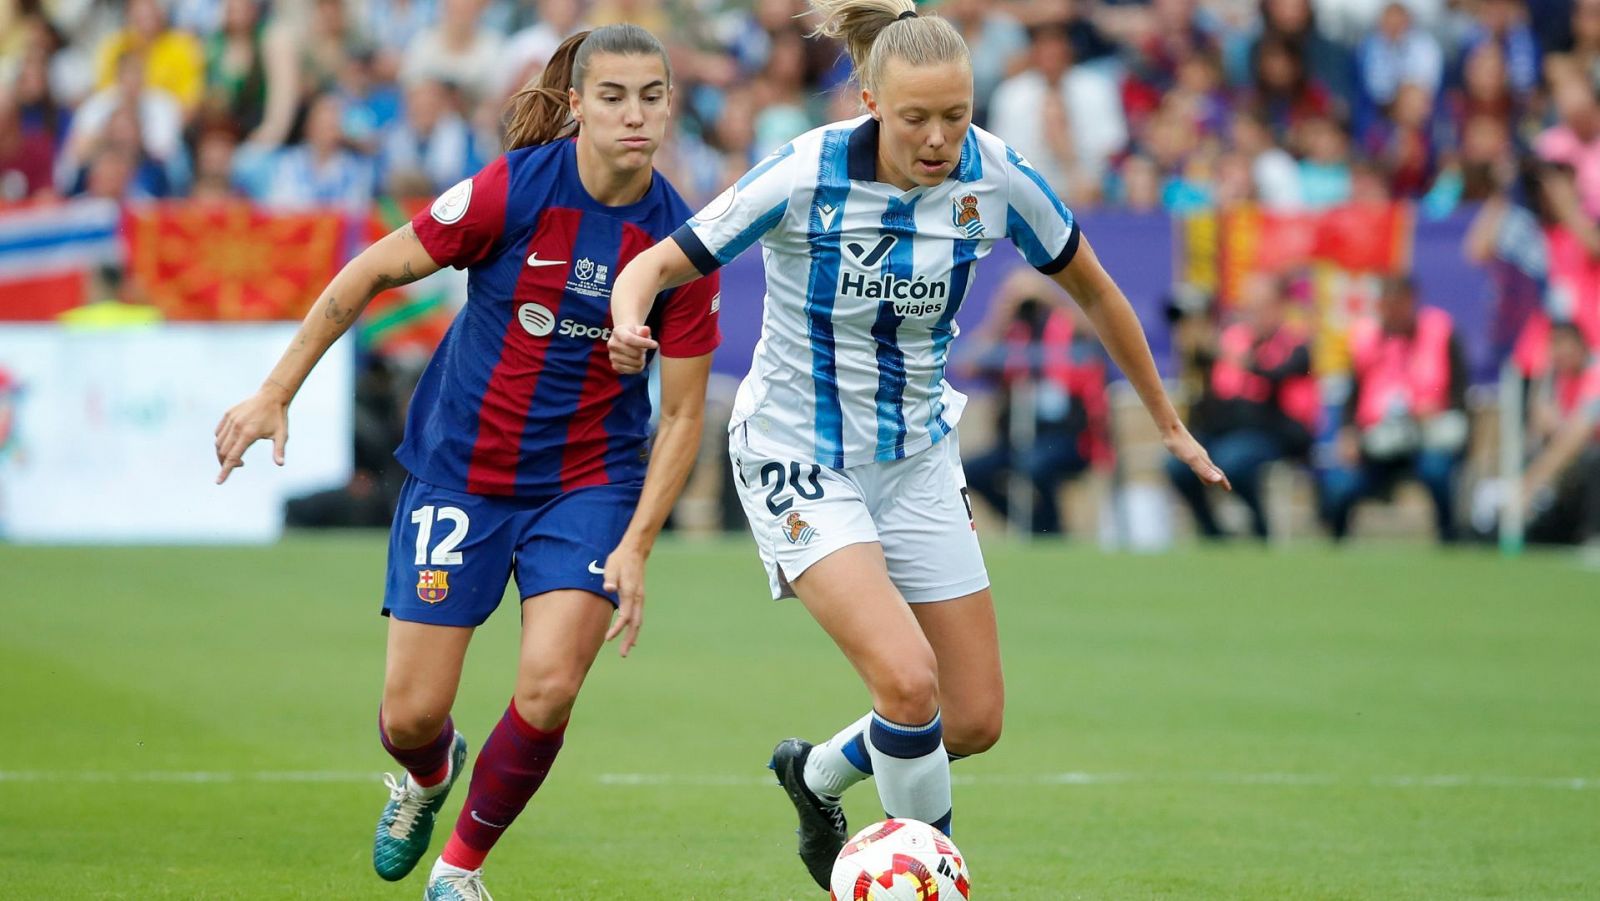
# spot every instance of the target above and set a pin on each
(1148, 105)
(1167, 104)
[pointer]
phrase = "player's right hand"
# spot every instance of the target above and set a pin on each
(629, 346)
(262, 415)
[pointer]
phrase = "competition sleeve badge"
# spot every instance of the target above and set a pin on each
(433, 585)
(452, 204)
(797, 530)
(965, 216)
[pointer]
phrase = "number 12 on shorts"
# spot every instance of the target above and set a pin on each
(445, 554)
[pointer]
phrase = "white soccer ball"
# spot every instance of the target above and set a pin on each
(899, 860)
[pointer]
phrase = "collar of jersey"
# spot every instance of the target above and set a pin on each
(861, 161)
(569, 174)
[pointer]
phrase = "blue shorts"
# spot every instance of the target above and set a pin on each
(451, 553)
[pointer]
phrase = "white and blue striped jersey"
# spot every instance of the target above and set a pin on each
(864, 281)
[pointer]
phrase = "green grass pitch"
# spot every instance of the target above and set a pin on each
(1384, 723)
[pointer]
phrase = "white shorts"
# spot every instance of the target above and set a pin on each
(916, 507)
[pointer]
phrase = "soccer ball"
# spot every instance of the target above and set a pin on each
(899, 860)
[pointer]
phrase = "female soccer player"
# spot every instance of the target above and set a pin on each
(525, 451)
(843, 436)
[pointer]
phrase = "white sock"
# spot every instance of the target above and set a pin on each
(912, 770)
(440, 868)
(839, 762)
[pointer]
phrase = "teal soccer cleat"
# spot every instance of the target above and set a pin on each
(406, 825)
(449, 883)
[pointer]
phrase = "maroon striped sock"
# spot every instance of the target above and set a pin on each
(509, 769)
(428, 765)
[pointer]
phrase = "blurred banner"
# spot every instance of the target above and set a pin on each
(106, 433)
(231, 261)
(47, 253)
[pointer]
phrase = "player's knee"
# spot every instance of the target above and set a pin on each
(968, 736)
(907, 691)
(545, 701)
(411, 727)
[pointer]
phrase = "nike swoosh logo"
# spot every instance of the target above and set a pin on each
(485, 822)
(596, 568)
(533, 260)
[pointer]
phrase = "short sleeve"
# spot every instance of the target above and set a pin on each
(1036, 220)
(461, 227)
(739, 216)
(687, 325)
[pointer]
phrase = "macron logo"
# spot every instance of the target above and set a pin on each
(533, 260)
(827, 212)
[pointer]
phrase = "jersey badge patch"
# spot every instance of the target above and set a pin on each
(797, 530)
(452, 204)
(433, 585)
(965, 215)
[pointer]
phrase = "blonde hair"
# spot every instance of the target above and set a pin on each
(875, 31)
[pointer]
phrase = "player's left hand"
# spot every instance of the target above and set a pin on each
(1182, 445)
(629, 346)
(625, 576)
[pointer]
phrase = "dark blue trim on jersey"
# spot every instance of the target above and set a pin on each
(695, 249)
(899, 219)
(833, 189)
(1066, 254)
(965, 253)
(773, 159)
(855, 751)
(864, 151)
(971, 166)
(905, 742)
(752, 232)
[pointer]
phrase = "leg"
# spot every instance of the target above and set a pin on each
(986, 474)
(1052, 461)
(1436, 471)
(966, 643)
(1242, 455)
(850, 596)
(1189, 488)
(421, 675)
(1342, 487)
(562, 632)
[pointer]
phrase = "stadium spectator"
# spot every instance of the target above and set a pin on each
(1325, 169)
(458, 50)
(1033, 336)
(780, 95)
(1404, 142)
(236, 71)
(25, 153)
(1406, 411)
(1274, 175)
(1283, 94)
(156, 125)
(213, 164)
(320, 171)
(996, 39)
(1294, 22)
(1065, 119)
(173, 59)
(432, 140)
(1260, 402)
(1575, 139)
(1398, 53)
(331, 39)
(1505, 23)
(391, 26)
(372, 106)
(527, 50)
(1562, 484)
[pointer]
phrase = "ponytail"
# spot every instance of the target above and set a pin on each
(541, 112)
(874, 31)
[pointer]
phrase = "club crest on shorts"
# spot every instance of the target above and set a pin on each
(797, 530)
(433, 585)
(965, 215)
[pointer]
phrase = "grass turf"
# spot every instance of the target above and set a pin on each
(1381, 723)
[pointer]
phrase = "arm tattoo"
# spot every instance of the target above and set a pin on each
(385, 281)
(337, 313)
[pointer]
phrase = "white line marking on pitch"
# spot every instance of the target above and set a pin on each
(1443, 780)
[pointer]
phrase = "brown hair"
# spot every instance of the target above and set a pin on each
(874, 31)
(540, 112)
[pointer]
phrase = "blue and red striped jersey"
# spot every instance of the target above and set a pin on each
(520, 398)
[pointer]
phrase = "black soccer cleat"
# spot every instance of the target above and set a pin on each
(822, 826)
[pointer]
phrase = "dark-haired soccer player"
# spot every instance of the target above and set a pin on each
(526, 451)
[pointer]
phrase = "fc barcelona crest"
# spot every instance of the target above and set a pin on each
(433, 585)
(965, 215)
